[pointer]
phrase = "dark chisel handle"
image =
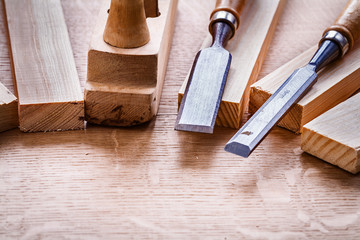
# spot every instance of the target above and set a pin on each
(348, 23)
(234, 7)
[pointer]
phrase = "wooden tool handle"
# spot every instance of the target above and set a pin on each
(348, 23)
(126, 25)
(233, 6)
(151, 8)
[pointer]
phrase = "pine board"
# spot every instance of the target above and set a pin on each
(335, 135)
(47, 83)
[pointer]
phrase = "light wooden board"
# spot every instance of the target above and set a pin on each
(151, 182)
(124, 85)
(335, 135)
(47, 83)
(8, 109)
(248, 50)
(335, 84)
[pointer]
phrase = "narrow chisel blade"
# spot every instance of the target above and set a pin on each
(201, 101)
(259, 125)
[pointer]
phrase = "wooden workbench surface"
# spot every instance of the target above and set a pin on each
(151, 182)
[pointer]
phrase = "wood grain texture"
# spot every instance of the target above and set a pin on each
(335, 83)
(248, 49)
(151, 182)
(124, 85)
(44, 67)
(335, 135)
(8, 109)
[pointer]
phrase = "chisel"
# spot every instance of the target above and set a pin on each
(335, 43)
(202, 97)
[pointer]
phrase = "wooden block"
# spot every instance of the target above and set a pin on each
(335, 135)
(248, 49)
(8, 109)
(46, 79)
(335, 83)
(124, 85)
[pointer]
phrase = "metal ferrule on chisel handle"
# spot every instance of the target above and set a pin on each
(224, 16)
(338, 38)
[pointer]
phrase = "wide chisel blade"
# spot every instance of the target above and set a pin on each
(201, 101)
(203, 94)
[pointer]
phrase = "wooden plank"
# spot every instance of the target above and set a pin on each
(335, 84)
(248, 50)
(335, 135)
(124, 85)
(8, 109)
(46, 79)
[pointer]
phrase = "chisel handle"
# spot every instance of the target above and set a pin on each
(228, 11)
(348, 23)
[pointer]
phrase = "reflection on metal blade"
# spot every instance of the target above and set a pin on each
(201, 101)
